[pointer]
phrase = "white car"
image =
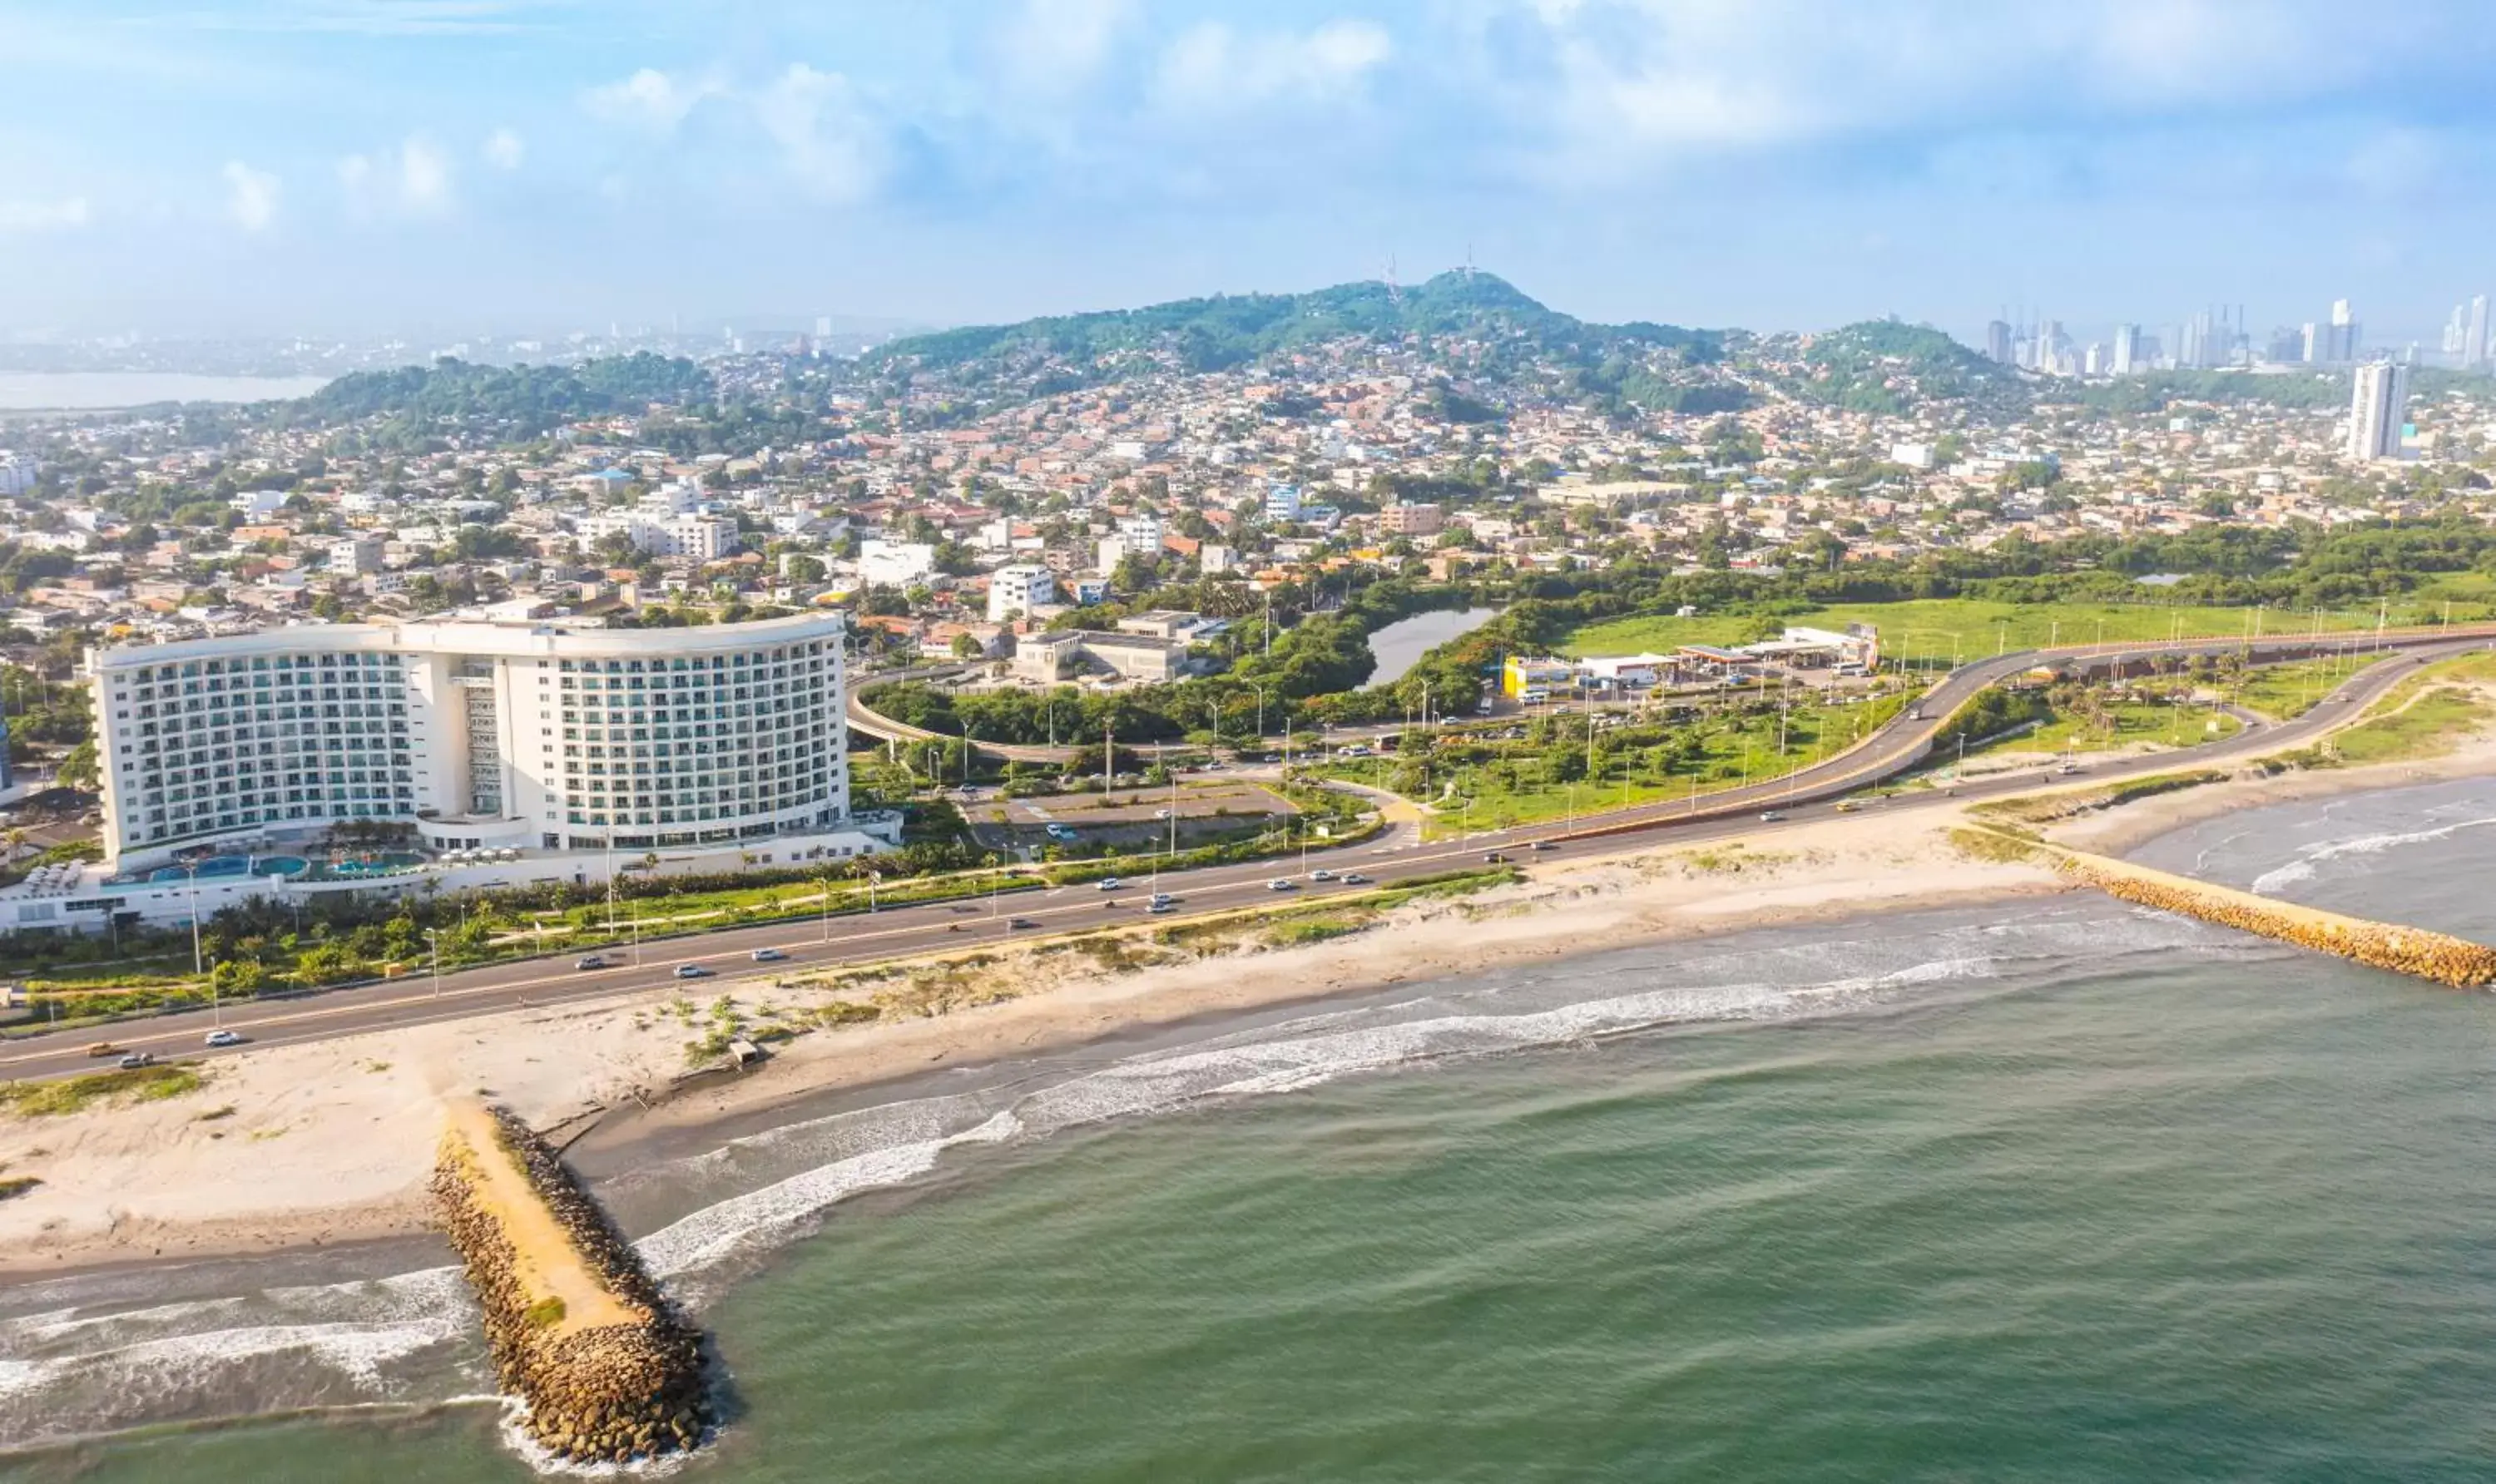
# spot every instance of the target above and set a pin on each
(768, 956)
(1321, 874)
(225, 1038)
(1278, 883)
(1109, 883)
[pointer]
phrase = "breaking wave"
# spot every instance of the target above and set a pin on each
(2303, 869)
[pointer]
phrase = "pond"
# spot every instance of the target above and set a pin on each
(1400, 645)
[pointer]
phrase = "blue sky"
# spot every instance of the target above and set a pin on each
(447, 166)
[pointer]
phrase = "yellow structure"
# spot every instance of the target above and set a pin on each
(1521, 675)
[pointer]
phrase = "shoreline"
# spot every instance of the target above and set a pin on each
(355, 1120)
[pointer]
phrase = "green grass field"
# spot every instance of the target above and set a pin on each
(2427, 716)
(1940, 630)
(2122, 725)
(1482, 785)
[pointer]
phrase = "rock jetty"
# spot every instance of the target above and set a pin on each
(2437, 957)
(577, 1328)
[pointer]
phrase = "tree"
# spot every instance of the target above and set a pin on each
(967, 646)
(78, 769)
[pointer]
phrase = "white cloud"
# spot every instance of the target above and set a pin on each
(1616, 84)
(827, 136)
(505, 149)
(1213, 69)
(650, 100)
(423, 176)
(1059, 47)
(29, 216)
(251, 197)
(412, 180)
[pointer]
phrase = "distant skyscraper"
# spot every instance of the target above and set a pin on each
(2127, 349)
(1997, 341)
(2344, 333)
(2093, 361)
(2474, 336)
(2456, 330)
(2049, 346)
(2198, 344)
(2376, 411)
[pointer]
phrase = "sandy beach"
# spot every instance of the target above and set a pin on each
(300, 1146)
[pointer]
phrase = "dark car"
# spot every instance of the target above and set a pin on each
(692, 972)
(593, 961)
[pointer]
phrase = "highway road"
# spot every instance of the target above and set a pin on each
(725, 957)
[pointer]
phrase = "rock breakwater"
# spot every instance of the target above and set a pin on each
(2437, 957)
(576, 1329)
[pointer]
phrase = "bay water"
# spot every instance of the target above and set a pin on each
(2055, 1189)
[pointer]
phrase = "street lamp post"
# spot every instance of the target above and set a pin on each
(433, 938)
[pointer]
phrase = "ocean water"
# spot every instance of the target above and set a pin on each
(2057, 1191)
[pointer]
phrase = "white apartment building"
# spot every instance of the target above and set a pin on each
(1020, 588)
(2377, 408)
(894, 564)
(1282, 502)
(19, 471)
(706, 538)
(533, 736)
(1141, 536)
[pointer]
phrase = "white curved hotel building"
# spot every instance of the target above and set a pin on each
(540, 736)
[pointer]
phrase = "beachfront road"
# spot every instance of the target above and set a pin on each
(1400, 855)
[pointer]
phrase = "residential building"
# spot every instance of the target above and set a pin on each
(1419, 518)
(2376, 410)
(895, 564)
(1140, 536)
(1020, 589)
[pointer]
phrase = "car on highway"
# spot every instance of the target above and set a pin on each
(1542, 844)
(225, 1038)
(103, 1048)
(1494, 858)
(1014, 924)
(1772, 815)
(692, 972)
(1161, 813)
(135, 1059)
(1160, 904)
(1321, 874)
(1354, 878)
(1847, 806)
(1109, 883)
(1278, 883)
(593, 961)
(768, 956)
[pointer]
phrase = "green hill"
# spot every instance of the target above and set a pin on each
(527, 400)
(1887, 366)
(1228, 332)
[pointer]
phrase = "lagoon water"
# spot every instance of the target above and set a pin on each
(2063, 1190)
(1401, 645)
